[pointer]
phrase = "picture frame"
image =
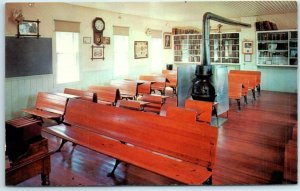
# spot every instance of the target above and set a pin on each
(105, 40)
(247, 47)
(87, 40)
(167, 39)
(97, 52)
(140, 49)
(247, 57)
(28, 28)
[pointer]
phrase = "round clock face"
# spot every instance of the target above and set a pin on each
(99, 25)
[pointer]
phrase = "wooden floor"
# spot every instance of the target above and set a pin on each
(250, 150)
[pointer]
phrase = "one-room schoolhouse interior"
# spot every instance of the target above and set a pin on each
(200, 93)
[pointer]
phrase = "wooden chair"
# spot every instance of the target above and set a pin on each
(107, 95)
(182, 114)
(85, 95)
(203, 108)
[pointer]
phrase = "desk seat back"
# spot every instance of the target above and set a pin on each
(159, 134)
(236, 78)
(257, 74)
(51, 102)
(204, 108)
(171, 76)
(155, 104)
(160, 81)
(85, 95)
(182, 114)
(126, 87)
(106, 93)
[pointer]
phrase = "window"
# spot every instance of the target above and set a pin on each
(67, 46)
(121, 55)
(156, 55)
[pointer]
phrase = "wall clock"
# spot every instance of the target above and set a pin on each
(98, 28)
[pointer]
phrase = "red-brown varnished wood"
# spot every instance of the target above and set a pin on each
(85, 95)
(171, 76)
(256, 73)
(49, 106)
(128, 88)
(51, 102)
(161, 133)
(250, 150)
(203, 108)
(159, 82)
(155, 103)
(182, 114)
(186, 172)
(107, 95)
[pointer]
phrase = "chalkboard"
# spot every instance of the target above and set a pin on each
(27, 56)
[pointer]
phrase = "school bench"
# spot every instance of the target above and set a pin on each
(203, 108)
(155, 102)
(48, 106)
(234, 78)
(83, 94)
(127, 88)
(171, 76)
(254, 78)
(133, 104)
(107, 95)
(177, 150)
(159, 82)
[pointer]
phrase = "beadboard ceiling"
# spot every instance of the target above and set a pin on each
(183, 11)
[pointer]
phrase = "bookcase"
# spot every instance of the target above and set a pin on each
(187, 48)
(277, 48)
(224, 48)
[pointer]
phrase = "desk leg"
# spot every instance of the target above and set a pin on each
(61, 145)
(45, 179)
(112, 173)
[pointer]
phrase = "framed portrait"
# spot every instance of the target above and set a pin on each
(247, 57)
(97, 52)
(28, 28)
(167, 40)
(105, 40)
(247, 47)
(87, 40)
(140, 49)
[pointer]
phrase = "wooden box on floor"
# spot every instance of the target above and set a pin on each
(36, 161)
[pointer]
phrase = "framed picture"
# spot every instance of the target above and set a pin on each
(247, 47)
(28, 28)
(247, 57)
(87, 40)
(97, 52)
(167, 40)
(140, 49)
(105, 40)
